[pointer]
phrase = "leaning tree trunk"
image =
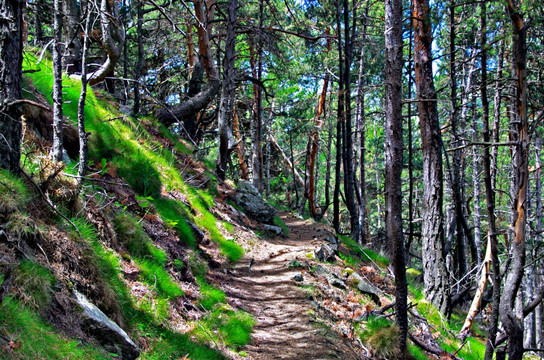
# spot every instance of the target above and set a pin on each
(200, 100)
(11, 47)
(226, 105)
(113, 39)
(393, 160)
(512, 320)
(435, 275)
(57, 150)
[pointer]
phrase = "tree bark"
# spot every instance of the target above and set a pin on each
(226, 105)
(72, 30)
(257, 66)
(11, 47)
(239, 146)
(435, 275)
(82, 168)
(511, 319)
(393, 160)
(57, 150)
(140, 64)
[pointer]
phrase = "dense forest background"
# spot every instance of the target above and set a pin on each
(414, 128)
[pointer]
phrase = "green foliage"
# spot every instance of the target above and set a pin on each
(14, 194)
(35, 284)
(34, 339)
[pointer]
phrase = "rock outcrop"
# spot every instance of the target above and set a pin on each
(248, 197)
(105, 331)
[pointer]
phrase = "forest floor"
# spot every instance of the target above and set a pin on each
(284, 310)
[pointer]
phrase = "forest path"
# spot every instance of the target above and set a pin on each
(281, 307)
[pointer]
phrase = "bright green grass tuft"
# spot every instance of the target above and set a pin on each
(156, 276)
(140, 174)
(416, 352)
(35, 283)
(174, 214)
(365, 254)
(14, 194)
(34, 339)
(383, 337)
(130, 233)
(210, 294)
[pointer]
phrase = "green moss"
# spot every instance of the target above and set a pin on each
(34, 339)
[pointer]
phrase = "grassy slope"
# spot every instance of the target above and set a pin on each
(125, 146)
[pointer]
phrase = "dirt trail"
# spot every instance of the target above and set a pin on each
(284, 328)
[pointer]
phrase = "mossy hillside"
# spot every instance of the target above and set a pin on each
(127, 147)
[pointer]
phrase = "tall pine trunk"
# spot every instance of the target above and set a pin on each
(393, 160)
(435, 275)
(511, 319)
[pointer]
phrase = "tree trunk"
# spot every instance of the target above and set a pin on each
(360, 121)
(512, 320)
(140, 64)
(393, 160)
(538, 239)
(226, 105)
(313, 144)
(349, 172)
(198, 100)
(239, 146)
(113, 38)
(72, 30)
(490, 200)
(11, 47)
(82, 168)
(257, 65)
(340, 117)
(57, 150)
(435, 275)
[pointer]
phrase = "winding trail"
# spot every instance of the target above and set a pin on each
(281, 307)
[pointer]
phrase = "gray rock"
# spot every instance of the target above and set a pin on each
(293, 264)
(333, 243)
(365, 287)
(253, 204)
(273, 229)
(298, 277)
(332, 278)
(108, 333)
(325, 252)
